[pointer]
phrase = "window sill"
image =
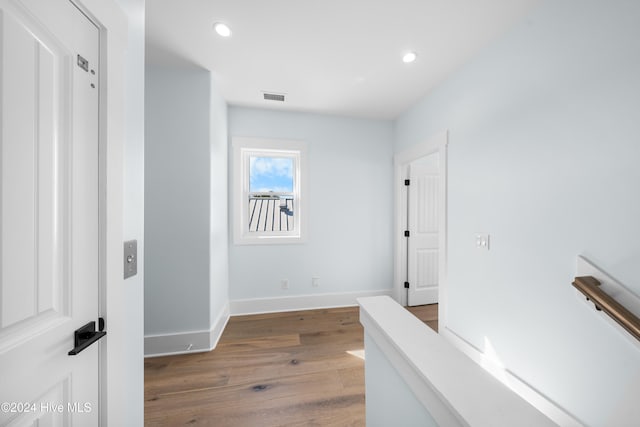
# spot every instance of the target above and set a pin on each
(270, 240)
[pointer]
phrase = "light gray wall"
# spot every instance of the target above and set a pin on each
(219, 235)
(350, 220)
(543, 155)
(177, 200)
(131, 408)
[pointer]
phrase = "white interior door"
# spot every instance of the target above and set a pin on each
(49, 213)
(423, 224)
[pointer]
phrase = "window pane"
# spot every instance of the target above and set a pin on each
(270, 174)
(271, 213)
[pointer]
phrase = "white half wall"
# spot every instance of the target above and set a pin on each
(543, 131)
(349, 245)
(414, 377)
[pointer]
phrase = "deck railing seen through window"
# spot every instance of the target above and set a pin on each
(271, 212)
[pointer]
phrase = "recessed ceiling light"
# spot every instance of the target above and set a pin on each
(223, 30)
(409, 57)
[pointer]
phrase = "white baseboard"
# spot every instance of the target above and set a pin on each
(186, 342)
(218, 326)
(557, 414)
(300, 302)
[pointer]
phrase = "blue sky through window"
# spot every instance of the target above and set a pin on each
(271, 174)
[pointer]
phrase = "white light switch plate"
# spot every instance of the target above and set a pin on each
(482, 241)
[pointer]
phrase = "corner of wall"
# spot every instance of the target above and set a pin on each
(218, 205)
(187, 342)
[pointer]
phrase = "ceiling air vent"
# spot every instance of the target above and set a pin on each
(273, 97)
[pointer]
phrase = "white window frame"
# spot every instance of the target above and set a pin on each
(243, 149)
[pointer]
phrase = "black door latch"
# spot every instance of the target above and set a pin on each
(86, 336)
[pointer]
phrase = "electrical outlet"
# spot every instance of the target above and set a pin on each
(315, 282)
(284, 284)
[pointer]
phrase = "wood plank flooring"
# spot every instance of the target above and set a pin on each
(427, 313)
(285, 369)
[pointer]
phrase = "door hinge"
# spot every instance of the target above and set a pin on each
(406, 233)
(407, 182)
(406, 285)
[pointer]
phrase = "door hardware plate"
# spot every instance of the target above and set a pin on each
(83, 63)
(130, 258)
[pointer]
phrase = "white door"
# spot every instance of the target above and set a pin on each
(423, 223)
(49, 205)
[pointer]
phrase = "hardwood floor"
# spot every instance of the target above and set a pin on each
(427, 313)
(285, 369)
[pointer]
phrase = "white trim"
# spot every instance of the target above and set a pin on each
(215, 333)
(538, 400)
(436, 144)
(186, 342)
(453, 389)
(289, 148)
(424, 392)
(300, 302)
(178, 343)
(113, 26)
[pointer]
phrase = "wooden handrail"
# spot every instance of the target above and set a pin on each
(590, 288)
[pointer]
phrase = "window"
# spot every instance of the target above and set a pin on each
(269, 191)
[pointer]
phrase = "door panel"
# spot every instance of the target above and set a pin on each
(423, 251)
(46, 415)
(427, 269)
(31, 239)
(426, 179)
(49, 218)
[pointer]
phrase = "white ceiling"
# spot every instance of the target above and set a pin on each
(340, 57)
